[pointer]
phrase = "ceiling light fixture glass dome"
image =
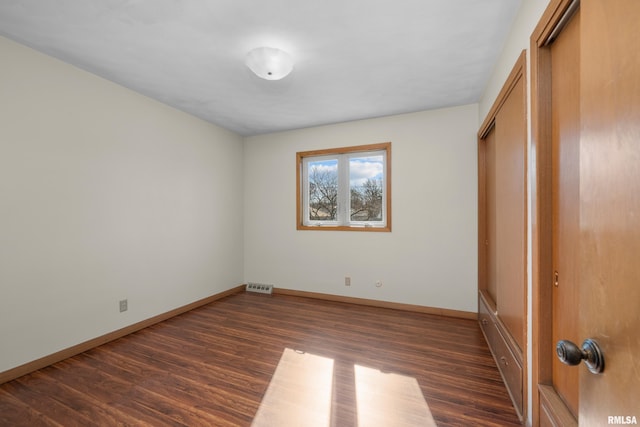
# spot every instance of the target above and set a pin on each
(269, 63)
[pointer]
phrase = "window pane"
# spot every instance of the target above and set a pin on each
(323, 190)
(366, 183)
(345, 188)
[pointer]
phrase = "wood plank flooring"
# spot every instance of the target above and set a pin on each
(273, 360)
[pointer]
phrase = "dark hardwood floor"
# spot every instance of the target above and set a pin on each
(261, 360)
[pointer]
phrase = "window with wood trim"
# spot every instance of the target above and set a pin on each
(346, 188)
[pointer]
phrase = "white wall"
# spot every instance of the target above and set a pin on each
(526, 21)
(518, 39)
(429, 258)
(105, 195)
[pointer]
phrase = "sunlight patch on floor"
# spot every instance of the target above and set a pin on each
(387, 399)
(299, 393)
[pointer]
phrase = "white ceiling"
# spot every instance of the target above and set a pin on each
(354, 59)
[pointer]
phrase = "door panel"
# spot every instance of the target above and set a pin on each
(610, 209)
(601, 164)
(511, 201)
(565, 137)
(491, 215)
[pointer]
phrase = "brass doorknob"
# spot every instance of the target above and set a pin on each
(571, 354)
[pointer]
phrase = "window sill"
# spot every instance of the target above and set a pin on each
(386, 228)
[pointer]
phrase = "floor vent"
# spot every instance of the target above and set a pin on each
(260, 288)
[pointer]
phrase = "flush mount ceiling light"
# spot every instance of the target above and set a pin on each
(269, 63)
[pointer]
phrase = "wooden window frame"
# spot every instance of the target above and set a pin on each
(300, 156)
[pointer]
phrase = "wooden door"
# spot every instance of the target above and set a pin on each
(491, 215)
(610, 209)
(565, 140)
(510, 180)
(586, 199)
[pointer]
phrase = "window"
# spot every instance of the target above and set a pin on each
(345, 188)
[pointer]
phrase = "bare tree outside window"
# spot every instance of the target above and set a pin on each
(366, 201)
(323, 192)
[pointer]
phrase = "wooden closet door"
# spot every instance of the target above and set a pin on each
(502, 237)
(510, 167)
(491, 213)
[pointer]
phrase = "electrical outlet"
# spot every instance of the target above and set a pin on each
(123, 305)
(347, 281)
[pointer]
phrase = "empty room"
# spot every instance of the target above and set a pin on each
(294, 213)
